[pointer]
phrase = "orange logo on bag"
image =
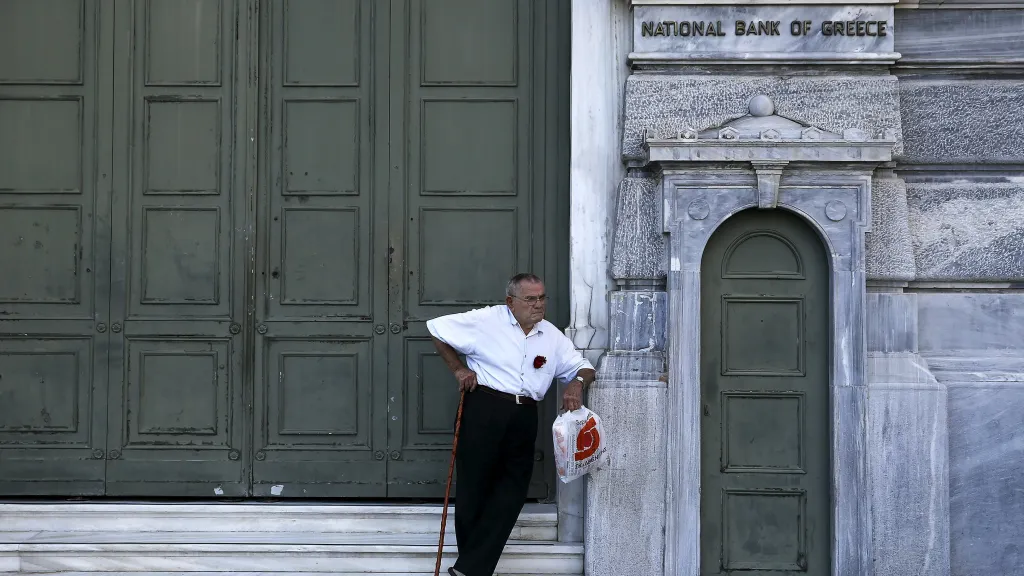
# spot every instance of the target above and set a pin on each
(588, 440)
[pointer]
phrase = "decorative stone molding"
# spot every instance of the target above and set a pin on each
(825, 178)
(768, 176)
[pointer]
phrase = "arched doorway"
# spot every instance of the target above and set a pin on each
(765, 428)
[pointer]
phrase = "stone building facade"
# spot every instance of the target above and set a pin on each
(790, 236)
(904, 153)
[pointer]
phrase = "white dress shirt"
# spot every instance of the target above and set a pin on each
(502, 355)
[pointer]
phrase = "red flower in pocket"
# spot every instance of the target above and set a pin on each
(539, 361)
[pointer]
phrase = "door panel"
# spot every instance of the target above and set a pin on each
(765, 489)
(54, 292)
(177, 421)
(464, 203)
(320, 409)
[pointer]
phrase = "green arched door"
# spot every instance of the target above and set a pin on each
(765, 456)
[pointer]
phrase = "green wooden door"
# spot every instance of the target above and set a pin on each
(765, 497)
(176, 416)
(322, 285)
(471, 172)
(54, 229)
(246, 210)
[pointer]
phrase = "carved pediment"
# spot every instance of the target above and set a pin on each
(762, 123)
(763, 135)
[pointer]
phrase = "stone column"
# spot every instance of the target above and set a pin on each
(600, 44)
(625, 517)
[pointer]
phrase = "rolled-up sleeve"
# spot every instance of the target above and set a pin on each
(460, 331)
(570, 361)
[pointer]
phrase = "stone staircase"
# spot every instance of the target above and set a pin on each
(258, 539)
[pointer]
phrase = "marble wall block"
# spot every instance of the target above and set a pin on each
(670, 103)
(986, 457)
(909, 466)
(639, 249)
(891, 322)
(971, 324)
(970, 232)
(974, 344)
(960, 36)
(625, 514)
(949, 121)
(890, 254)
(639, 321)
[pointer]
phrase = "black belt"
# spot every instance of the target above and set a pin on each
(517, 398)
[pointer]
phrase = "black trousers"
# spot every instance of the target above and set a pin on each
(493, 465)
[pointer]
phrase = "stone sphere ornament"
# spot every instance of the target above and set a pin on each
(761, 106)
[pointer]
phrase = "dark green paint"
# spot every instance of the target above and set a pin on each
(179, 265)
(55, 157)
(269, 201)
(765, 457)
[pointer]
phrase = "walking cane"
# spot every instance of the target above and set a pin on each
(448, 487)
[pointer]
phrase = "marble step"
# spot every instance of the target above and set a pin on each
(537, 523)
(261, 553)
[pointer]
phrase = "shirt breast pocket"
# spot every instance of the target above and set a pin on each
(547, 372)
(540, 364)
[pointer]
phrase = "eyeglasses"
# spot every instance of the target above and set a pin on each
(533, 300)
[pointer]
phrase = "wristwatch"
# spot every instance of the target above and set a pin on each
(582, 381)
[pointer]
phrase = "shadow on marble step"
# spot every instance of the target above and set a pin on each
(233, 538)
(538, 522)
(518, 558)
(431, 573)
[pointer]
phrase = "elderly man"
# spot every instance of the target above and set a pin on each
(512, 355)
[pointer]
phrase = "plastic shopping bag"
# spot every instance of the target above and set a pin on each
(579, 443)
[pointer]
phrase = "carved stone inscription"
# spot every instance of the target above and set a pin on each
(744, 28)
(857, 32)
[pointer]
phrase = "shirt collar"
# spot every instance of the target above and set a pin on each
(512, 320)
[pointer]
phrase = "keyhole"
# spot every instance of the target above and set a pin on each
(706, 411)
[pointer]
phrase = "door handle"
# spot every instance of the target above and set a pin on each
(395, 328)
(380, 329)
